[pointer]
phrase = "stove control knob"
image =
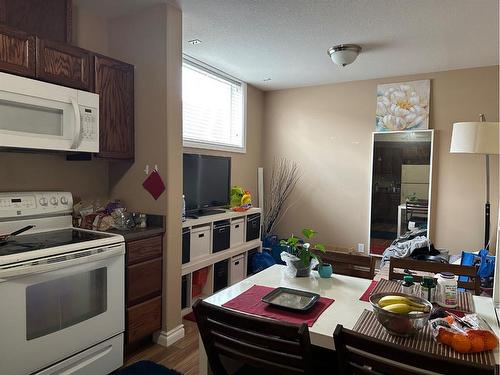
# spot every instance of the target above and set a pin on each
(53, 201)
(43, 202)
(64, 200)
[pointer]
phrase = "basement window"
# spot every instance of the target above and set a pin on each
(213, 108)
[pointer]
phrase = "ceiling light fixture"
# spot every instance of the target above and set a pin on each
(266, 79)
(194, 41)
(344, 54)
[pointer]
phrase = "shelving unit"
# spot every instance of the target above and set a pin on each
(201, 255)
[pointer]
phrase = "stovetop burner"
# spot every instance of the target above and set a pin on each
(44, 240)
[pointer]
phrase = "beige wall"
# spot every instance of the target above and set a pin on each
(151, 40)
(244, 166)
(43, 171)
(327, 130)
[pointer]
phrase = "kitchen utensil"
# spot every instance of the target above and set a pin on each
(5, 237)
(400, 324)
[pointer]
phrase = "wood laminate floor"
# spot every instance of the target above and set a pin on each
(181, 356)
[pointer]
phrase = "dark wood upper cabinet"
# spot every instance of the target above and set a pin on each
(51, 19)
(63, 64)
(114, 82)
(17, 52)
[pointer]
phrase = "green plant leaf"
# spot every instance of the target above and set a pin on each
(320, 247)
(308, 233)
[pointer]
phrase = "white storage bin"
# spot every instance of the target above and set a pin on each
(238, 268)
(237, 232)
(200, 241)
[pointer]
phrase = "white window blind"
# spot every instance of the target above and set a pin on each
(212, 108)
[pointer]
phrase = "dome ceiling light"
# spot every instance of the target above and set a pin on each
(344, 54)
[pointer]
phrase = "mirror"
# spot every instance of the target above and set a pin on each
(401, 186)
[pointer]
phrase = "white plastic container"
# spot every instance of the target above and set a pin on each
(447, 290)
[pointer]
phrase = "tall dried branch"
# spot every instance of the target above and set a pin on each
(284, 178)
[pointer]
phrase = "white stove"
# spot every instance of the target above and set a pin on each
(61, 290)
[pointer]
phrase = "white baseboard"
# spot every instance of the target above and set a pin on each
(170, 337)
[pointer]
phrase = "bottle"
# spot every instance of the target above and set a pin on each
(407, 286)
(183, 207)
(428, 289)
(447, 290)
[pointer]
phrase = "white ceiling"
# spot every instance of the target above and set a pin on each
(286, 40)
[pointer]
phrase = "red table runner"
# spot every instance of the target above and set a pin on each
(250, 302)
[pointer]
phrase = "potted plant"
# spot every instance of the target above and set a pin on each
(300, 257)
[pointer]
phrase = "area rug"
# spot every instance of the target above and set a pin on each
(146, 368)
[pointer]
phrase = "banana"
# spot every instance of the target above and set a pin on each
(403, 308)
(390, 300)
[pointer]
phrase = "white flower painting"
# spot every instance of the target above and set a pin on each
(403, 106)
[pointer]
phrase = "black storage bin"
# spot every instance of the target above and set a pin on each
(253, 227)
(221, 275)
(221, 235)
(186, 245)
(184, 291)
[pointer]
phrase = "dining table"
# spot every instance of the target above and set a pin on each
(346, 309)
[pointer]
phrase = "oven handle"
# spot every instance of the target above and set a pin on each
(78, 124)
(60, 261)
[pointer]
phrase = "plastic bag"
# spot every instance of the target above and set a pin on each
(463, 339)
(295, 267)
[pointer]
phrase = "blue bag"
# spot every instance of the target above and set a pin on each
(261, 261)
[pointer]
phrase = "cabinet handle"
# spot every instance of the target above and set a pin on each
(237, 226)
(201, 235)
(236, 263)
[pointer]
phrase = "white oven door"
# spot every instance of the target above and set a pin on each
(57, 307)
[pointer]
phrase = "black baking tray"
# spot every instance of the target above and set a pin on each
(291, 299)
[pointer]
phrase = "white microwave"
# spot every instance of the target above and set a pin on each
(40, 115)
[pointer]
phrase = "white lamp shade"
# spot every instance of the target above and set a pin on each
(475, 138)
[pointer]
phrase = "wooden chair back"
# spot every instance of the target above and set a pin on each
(265, 344)
(360, 354)
(473, 285)
(350, 264)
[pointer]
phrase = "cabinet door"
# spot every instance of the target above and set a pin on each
(143, 320)
(114, 82)
(63, 64)
(17, 52)
(46, 19)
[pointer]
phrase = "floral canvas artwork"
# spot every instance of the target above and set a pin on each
(403, 106)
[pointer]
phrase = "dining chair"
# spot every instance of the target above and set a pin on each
(417, 212)
(350, 264)
(264, 346)
(406, 264)
(360, 354)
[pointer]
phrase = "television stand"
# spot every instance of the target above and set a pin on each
(204, 212)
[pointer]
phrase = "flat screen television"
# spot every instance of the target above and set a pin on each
(207, 180)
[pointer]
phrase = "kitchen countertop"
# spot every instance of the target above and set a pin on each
(156, 225)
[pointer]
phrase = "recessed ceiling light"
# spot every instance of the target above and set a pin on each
(266, 79)
(194, 41)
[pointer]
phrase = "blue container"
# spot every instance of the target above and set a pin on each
(325, 270)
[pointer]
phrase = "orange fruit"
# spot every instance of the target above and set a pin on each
(476, 341)
(461, 343)
(490, 340)
(445, 337)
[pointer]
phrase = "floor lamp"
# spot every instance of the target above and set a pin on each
(478, 138)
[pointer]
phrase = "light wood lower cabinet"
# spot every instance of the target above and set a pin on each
(143, 289)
